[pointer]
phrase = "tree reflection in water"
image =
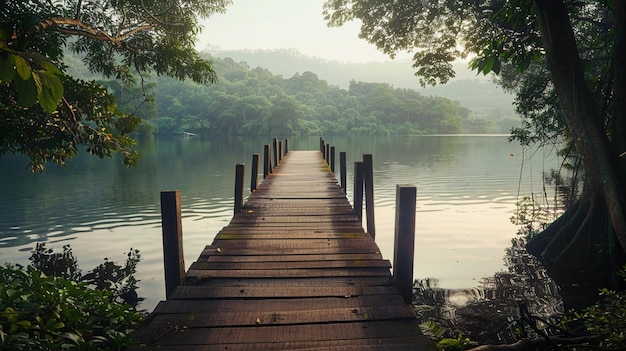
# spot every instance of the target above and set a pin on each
(490, 314)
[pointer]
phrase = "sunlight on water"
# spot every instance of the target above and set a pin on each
(467, 188)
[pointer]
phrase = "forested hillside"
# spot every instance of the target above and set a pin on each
(478, 92)
(249, 101)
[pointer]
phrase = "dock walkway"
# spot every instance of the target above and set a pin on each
(294, 271)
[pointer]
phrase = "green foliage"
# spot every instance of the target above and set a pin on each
(606, 319)
(47, 114)
(436, 331)
(458, 344)
(40, 312)
(34, 77)
(254, 101)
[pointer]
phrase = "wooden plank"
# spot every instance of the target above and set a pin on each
(257, 251)
(349, 240)
(290, 265)
(277, 304)
(286, 217)
(290, 333)
(288, 283)
(297, 291)
(289, 258)
(253, 319)
(294, 234)
(286, 273)
(404, 343)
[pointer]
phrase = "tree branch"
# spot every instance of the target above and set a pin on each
(62, 24)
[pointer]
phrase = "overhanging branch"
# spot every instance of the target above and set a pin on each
(76, 27)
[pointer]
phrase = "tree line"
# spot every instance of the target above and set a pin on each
(254, 101)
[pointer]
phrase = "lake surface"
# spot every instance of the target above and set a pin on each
(467, 188)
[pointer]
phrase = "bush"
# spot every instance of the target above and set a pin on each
(606, 319)
(38, 312)
(51, 306)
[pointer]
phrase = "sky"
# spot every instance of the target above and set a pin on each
(284, 24)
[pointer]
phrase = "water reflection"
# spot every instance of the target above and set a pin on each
(490, 313)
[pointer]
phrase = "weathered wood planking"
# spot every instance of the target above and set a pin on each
(294, 271)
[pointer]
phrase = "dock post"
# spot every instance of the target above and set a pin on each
(254, 178)
(280, 151)
(327, 158)
(171, 225)
(286, 146)
(266, 161)
(404, 241)
(369, 194)
(322, 147)
(275, 152)
(332, 159)
(239, 175)
(358, 190)
(342, 169)
(269, 159)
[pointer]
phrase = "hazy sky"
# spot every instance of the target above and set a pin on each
(276, 24)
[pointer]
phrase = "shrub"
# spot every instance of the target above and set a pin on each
(50, 305)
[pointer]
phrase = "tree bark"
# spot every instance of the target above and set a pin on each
(584, 122)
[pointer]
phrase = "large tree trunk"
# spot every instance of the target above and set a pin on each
(599, 217)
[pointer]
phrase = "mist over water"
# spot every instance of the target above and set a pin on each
(467, 188)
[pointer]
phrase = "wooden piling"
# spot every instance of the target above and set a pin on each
(275, 152)
(254, 178)
(327, 158)
(404, 242)
(269, 159)
(358, 190)
(322, 147)
(239, 180)
(267, 166)
(332, 159)
(286, 146)
(280, 151)
(369, 194)
(171, 224)
(342, 169)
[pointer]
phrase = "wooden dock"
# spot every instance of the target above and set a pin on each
(293, 271)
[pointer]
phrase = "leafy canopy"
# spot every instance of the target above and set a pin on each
(440, 32)
(46, 114)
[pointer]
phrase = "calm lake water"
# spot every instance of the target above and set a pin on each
(467, 189)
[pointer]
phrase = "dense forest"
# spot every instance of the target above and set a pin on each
(476, 91)
(253, 101)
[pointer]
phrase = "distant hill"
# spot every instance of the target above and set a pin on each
(476, 92)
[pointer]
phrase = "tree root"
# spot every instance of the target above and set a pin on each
(579, 252)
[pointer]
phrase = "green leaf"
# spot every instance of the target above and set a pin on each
(488, 65)
(50, 67)
(7, 64)
(26, 92)
(496, 65)
(51, 92)
(22, 67)
(24, 324)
